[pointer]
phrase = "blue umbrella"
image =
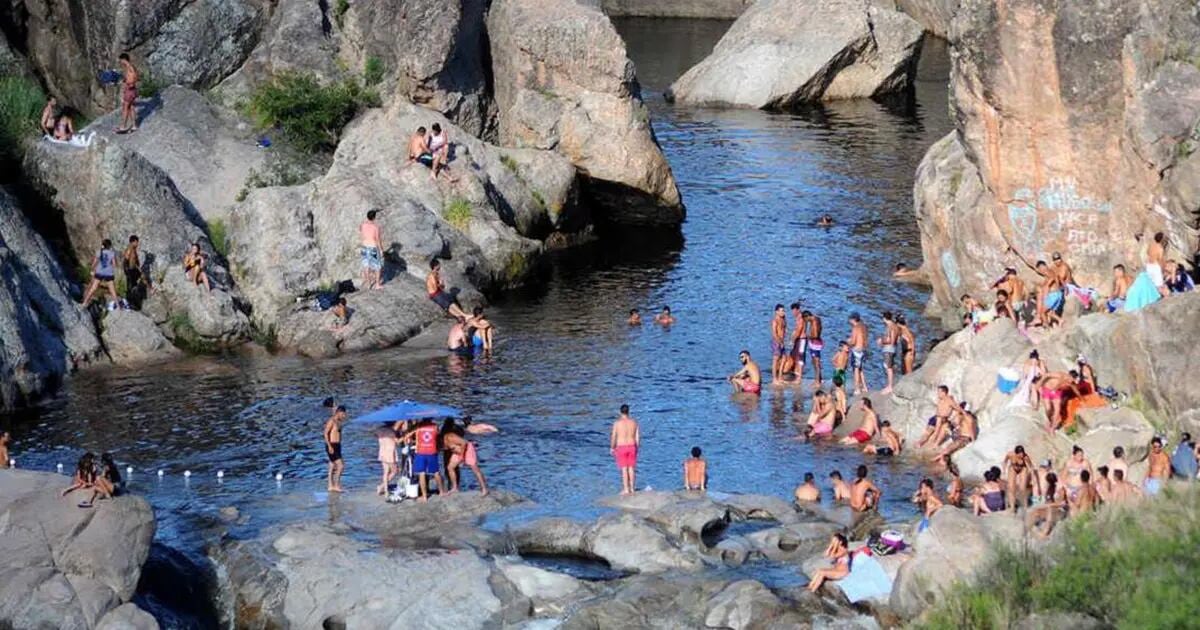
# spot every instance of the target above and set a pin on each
(409, 410)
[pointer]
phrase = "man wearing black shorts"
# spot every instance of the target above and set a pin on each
(333, 448)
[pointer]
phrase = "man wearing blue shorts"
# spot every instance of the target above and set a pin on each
(426, 461)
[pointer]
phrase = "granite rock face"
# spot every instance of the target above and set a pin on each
(783, 53)
(563, 82)
(1076, 131)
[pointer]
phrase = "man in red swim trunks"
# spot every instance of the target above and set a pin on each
(129, 93)
(624, 441)
(868, 428)
(747, 380)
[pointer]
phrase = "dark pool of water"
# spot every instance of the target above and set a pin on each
(754, 184)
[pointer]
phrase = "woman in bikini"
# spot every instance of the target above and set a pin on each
(839, 553)
(193, 266)
(64, 127)
(954, 491)
(1072, 473)
(926, 498)
(908, 344)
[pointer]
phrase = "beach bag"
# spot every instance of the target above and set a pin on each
(887, 543)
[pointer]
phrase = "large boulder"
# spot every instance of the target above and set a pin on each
(127, 617)
(955, 546)
(783, 53)
(131, 337)
(288, 241)
(110, 191)
(433, 54)
(563, 82)
(298, 36)
(624, 541)
(66, 566)
(175, 41)
(310, 576)
(46, 333)
(1076, 131)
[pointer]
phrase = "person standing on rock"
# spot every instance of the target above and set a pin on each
(137, 284)
(907, 344)
(426, 461)
(624, 441)
(1018, 469)
(1160, 467)
(888, 344)
(104, 271)
(868, 428)
(812, 333)
(370, 250)
(1120, 288)
(333, 449)
(462, 451)
(778, 349)
(129, 93)
(436, 290)
(893, 443)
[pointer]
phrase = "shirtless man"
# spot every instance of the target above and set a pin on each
(695, 471)
(907, 344)
(840, 360)
(1160, 468)
(1086, 499)
(888, 344)
(838, 393)
(1122, 492)
(418, 149)
(858, 353)
(624, 441)
(1013, 286)
(799, 348)
(462, 452)
(5, 439)
(1155, 259)
(1050, 296)
(892, 442)
(812, 336)
(964, 432)
(938, 425)
(778, 349)
(1062, 270)
(868, 428)
(370, 250)
(926, 497)
(333, 448)
(841, 491)
(823, 417)
(1120, 288)
(864, 495)
(436, 290)
(456, 339)
(664, 317)
(747, 380)
(129, 93)
(807, 492)
(635, 317)
(1002, 307)
(1018, 470)
(1051, 387)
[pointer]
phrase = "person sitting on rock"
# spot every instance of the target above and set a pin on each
(1120, 287)
(1013, 287)
(1183, 458)
(990, 496)
(807, 492)
(438, 143)
(841, 490)
(110, 475)
(194, 263)
(1177, 278)
(436, 290)
(1002, 307)
(104, 271)
(838, 552)
(868, 428)
(64, 126)
(341, 315)
(824, 416)
(418, 148)
(962, 433)
(938, 427)
(747, 380)
(892, 442)
(86, 478)
(695, 471)
(1051, 508)
(926, 498)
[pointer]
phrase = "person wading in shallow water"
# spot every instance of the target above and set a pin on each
(624, 441)
(333, 448)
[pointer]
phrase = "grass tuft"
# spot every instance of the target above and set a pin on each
(21, 102)
(310, 115)
(458, 213)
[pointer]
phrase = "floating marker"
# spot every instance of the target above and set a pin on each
(278, 476)
(187, 473)
(129, 470)
(12, 463)
(220, 474)
(59, 467)
(160, 473)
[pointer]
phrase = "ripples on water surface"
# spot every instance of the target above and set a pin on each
(754, 184)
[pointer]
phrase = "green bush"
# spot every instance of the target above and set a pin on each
(510, 164)
(186, 338)
(149, 87)
(219, 237)
(339, 12)
(21, 102)
(373, 71)
(458, 213)
(1129, 568)
(279, 172)
(310, 115)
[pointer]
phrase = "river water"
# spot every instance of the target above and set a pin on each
(754, 184)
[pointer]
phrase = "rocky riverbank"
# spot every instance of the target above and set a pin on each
(538, 161)
(65, 566)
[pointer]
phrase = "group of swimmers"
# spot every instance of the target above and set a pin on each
(433, 448)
